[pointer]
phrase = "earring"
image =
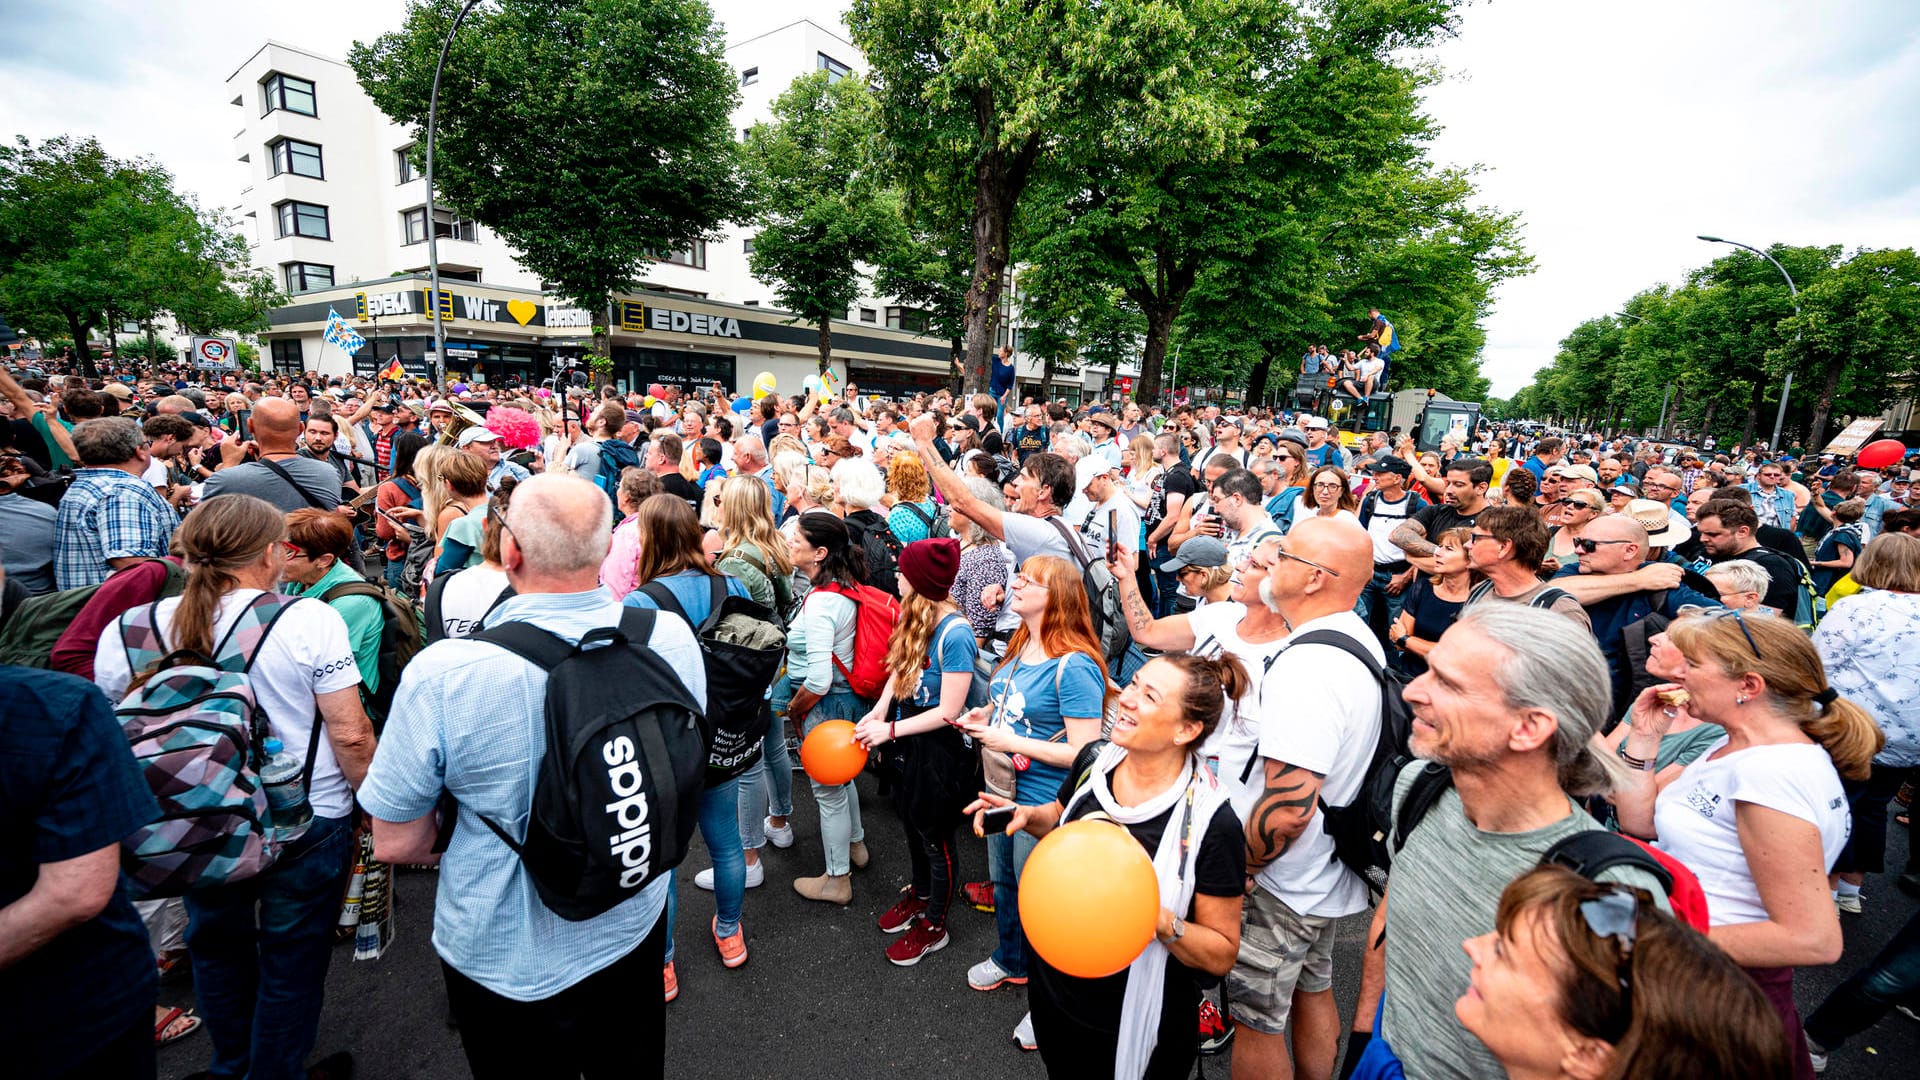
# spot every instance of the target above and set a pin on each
(1740, 699)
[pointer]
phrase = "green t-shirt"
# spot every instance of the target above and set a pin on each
(55, 456)
(363, 616)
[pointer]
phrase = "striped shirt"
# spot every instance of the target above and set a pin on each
(107, 514)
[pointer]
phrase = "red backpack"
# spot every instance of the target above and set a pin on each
(874, 619)
(1591, 852)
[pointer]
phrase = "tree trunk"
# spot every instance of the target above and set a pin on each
(1160, 318)
(998, 179)
(79, 331)
(1706, 422)
(826, 344)
(1046, 378)
(602, 362)
(1113, 373)
(958, 369)
(1823, 407)
(1257, 379)
(1753, 413)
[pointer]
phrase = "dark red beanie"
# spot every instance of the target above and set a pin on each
(929, 566)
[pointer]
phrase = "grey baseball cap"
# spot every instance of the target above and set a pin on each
(1202, 551)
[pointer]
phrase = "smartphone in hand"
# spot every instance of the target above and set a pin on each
(996, 820)
(1113, 535)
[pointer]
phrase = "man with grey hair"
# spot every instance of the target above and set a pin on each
(468, 720)
(109, 517)
(1742, 582)
(1504, 717)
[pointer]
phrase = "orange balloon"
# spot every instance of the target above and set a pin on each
(830, 755)
(1089, 900)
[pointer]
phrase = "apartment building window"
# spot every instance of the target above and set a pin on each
(694, 255)
(447, 226)
(750, 76)
(286, 356)
(835, 69)
(746, 246)
(906, 318)
(868, 314)
(305, 277)
(286, 92)
(302, 219)
(296, 157)
(403, 165)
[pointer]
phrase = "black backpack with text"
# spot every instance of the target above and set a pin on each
(742, 645)
(618, 790)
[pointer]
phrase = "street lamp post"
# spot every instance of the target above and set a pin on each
(433, 230)
(1780, 416)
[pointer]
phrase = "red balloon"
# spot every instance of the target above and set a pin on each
(1879, 455)
(830, 755)
(1089, 899)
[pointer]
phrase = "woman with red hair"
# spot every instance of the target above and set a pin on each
(1047, 700)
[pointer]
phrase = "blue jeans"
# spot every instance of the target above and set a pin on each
(718, 809)
(260, 975)
(394, 568)
(1891, 978)
(839, 804)
(767, 788)
(1006, 857)
(1376, 592)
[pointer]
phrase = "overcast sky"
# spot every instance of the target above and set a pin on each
(1616, 130)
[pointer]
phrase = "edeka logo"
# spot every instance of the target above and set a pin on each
(687, 322)
(631, 839)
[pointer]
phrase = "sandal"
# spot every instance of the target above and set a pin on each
(165, 1030)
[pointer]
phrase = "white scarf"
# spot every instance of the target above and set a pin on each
(1140, 1008)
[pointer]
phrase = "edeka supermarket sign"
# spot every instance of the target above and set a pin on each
(457, 306)
(636, 317)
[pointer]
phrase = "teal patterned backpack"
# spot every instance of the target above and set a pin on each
(197, 732)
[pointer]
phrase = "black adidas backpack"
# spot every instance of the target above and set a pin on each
(618, 790)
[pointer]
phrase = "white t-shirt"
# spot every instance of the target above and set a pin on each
(1216, 629)
(306, 653)
(467, 597)
(1320, 711)
(1694, 817)
(156, 474)
(1027, 536)
(1092, 526)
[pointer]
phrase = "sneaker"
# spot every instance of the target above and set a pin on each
(1023, 1033)
(917, 942)
(1848, 902)
(756, 875)
(987, 975)
(979, 895)
(1818, 1056)
(1216, 1031)
(901, 915)
(781, 836)
(672, 981)
(733, 947)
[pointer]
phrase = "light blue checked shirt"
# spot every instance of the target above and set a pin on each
(468, 718)
(107, 514)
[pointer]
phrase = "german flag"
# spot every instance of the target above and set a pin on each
(393, 371)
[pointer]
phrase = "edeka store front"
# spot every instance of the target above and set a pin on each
(498, 335)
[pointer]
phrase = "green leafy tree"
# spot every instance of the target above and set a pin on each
(981, 91)
(593, 135)
(86, 238)
(1855, 339)
(820, 207)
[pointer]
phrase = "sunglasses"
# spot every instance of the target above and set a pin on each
(1615, 916)
(1741, 620)
(1285, 554)
(1588, 547)
(1581, 503)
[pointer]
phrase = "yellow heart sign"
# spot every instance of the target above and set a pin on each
(522, 311)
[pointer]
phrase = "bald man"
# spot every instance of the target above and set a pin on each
(1316, 728)
(270, 466)
(1612, 546)
(457, 693)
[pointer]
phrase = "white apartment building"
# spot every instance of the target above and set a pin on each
(334, 208)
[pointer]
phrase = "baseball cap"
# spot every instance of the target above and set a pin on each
(440, 405)
(119, 390)
(1389, 464)
(1315, 423)
(1202, 551)
(477, 434)
(1580, 472)
(381, 406)
(1087, 468)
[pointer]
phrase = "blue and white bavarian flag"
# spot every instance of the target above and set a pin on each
(339, 333)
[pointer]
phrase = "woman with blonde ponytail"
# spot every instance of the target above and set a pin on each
(1761, 816)
(261, 946)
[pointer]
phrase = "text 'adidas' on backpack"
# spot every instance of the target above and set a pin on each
(875, 614)
(742, 646)
(618, 789)
(196, 730)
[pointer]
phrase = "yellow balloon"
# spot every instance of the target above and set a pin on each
(763, 384)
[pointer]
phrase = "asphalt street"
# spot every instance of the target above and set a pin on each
(817, 997)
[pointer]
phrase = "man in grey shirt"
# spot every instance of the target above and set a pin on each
(1510, 699)
(26, 541)
(276, 434)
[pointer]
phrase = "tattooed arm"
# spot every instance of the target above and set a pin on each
(1411, 538)
(1171, 634)
(1282, 812)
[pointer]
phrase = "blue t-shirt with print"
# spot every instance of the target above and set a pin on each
(693, 590)
(953, 651)
(1035, 699)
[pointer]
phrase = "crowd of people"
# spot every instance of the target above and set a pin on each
(1231, 632)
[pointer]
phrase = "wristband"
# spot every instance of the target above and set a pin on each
(1356, 1047)
(1643, 764)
